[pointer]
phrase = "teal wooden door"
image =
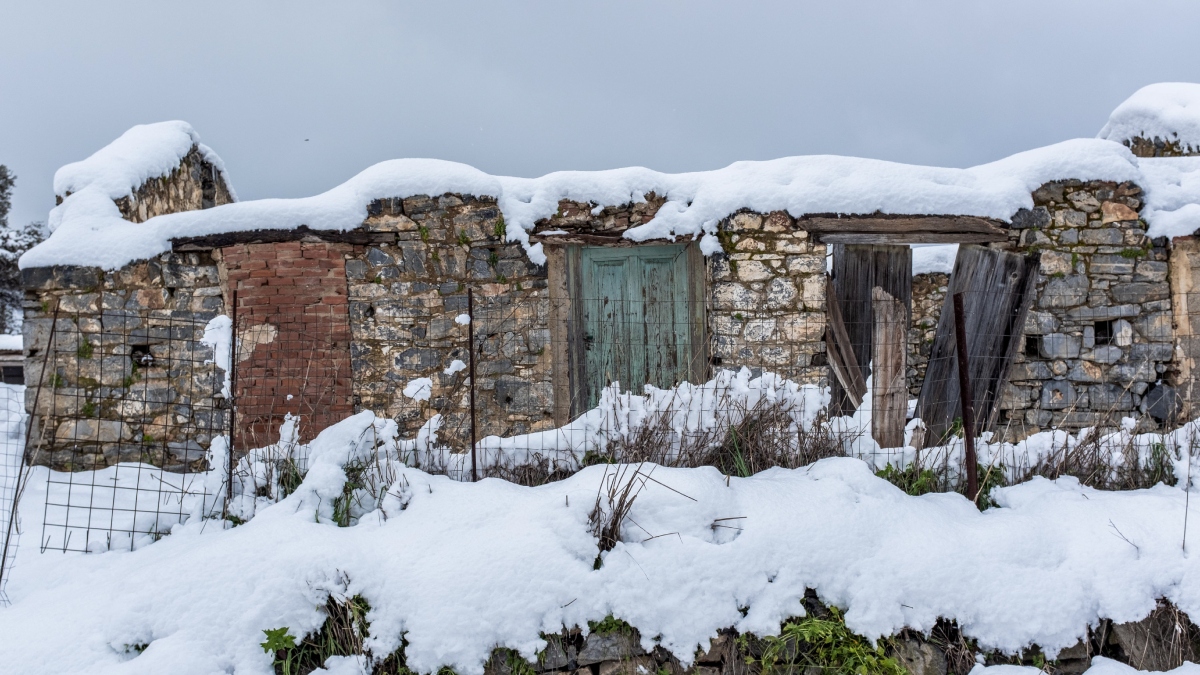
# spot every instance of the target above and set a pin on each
(640, 318)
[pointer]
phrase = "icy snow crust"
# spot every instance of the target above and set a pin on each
(459, 568)
(91, 232)
(1167, 110)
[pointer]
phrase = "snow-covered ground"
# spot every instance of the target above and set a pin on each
(458, 568)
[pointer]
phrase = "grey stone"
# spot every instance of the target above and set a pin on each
(780, 293)
(1111, 264)
(1155, 326)
(1150, 270)
(614, 646)
(1064, 292)
(418, 359)
(185, 452)
(1106, 354)
(1057, 395)
(1110, 397)
(556, 655)
(1059, 346)
(1070, 218)
(1155, 643)
(1122, 333)
(1040, 323)
(1038, 217)
(1085, 371)
(920, 657)
(1030, 370)
(1055, 262)
(1103, 313)
(1084, 201)
(1163, 403)
(1153, 351)
(1140, 292)
(1108, 236)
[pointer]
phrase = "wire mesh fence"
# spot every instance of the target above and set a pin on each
(129, 422)
(136, 411)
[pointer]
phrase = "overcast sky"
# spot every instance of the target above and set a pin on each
(299, 96)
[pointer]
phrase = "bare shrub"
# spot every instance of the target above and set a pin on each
(618, 491)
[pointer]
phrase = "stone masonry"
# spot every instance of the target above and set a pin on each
(128, 378)
(928, 296)
(1099, 335)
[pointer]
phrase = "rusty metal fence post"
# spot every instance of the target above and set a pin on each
(471, 362)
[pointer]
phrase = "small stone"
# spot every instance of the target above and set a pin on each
(1108, 236)
(752, 270)
(1140, 292)
(746, 221)
(1106, 354)
(1163, 403)
(1150, 270)
(1111, 264)
(1085, 371)
(1059, 346)
(780, 293)
(1064, 292)
(1084, 201)
(1057, 395)
(920, 658)
(1055, 262)
(1069, 218)
(1036, 218)
(615, 646)
(1114, 212)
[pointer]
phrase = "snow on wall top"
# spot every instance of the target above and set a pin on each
(90, 231)
(1172, 186)
(1168, 110)
(144, 152)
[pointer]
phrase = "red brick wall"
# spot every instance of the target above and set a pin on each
(294, 337)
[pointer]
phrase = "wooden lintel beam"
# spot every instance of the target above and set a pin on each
(856, 237)
(302, 233)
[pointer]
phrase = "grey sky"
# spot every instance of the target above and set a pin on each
(524, 88)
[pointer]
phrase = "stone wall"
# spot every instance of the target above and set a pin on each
(404, 301)
(128, 378)
(1158, 147)
(928, 295)
(766, 298)
(1099, 334)
(293, 335)
(195, 184)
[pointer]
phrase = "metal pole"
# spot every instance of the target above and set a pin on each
(471, 363)
(233, 345)
(22, 472)
(968, 402)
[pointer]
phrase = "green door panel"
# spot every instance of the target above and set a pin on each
(637, 316)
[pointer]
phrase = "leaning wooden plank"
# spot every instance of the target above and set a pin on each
(842, 362)
(997, 288)
(889, 391)
(909, 237)
(958, 225)
(856, 270)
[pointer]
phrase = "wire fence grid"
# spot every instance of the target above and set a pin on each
(134, 414)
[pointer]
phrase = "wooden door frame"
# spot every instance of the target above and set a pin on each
(569, 371)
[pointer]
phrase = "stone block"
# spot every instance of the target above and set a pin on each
(1111, 264)
(1030, 370)
(1106, 354)
(1106, 236)
(1114, 212)
(1140, 292)
(614, 646)
(1055, 262)
(92, 431)
(1106, 397)
(1038, 217)
(1156, 326)
(1064, 292)
(639, 665)
(1164, 403)
(805, 264)
(1070, 218)
(1085, 371)
(1150, 270)
(920, 657)
(780, 293)
(1059, 346)
(1122, 334)
(753, 270)
(1084, 201)
(734, 296)
(1057, 395)
(745, 221)
(813, 293)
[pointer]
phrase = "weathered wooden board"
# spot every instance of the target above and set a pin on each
(841, 355)
(301, 233)
(857, 270)
(889, 392)
(885, 229)
(998, 289)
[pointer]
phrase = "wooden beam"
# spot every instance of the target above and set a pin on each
(303, 232)
(840, 352)
(885, 229)
(889, 390)
(909, 238)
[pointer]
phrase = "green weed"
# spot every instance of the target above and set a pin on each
(822, 643)
(911, 479)
(85, 349)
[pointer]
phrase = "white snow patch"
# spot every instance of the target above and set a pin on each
(1167, 110)
(419, 389)
(12, 343)
(218, 336)
(1172, 186)
(462, 319)
(454, 367)
(936, 258)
